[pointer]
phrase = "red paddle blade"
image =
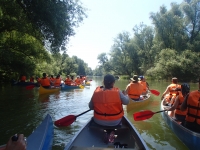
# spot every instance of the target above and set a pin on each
(29, 87)
(155, 92)
(65, 121)
(143, 115)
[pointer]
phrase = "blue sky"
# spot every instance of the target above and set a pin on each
(106, 19)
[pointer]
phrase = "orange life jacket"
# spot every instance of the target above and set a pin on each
(144, 84)
(107, 104)
(135, 90)
(23, 78)
(173, 87)
(177, 110)
(78, 81)
(31, 79)
(193, 104)
(52, 80)
(45, 82)
(68, 81)
(57, 82)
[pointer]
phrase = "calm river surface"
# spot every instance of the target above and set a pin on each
(21, 111)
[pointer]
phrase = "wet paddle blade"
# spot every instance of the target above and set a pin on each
(155, 92)
(29, 87)
(65, 121)
(143, 115)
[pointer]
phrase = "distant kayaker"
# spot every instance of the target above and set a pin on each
(78, 81)
(192, 104)
(68, 81)
(144, 84)
(57, 82)
(22, 78)
(44, 81)
(107, 103)
(31, 79)
(134, 89)
(19, 144)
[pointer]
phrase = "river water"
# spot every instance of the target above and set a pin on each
(21, 111)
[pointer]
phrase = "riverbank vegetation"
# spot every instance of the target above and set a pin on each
(171, 47)
(34, 37)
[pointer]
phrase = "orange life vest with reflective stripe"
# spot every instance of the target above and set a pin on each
(45, 82)
(107, 104)
(135, 90)
(57, 82)
(177, 110)
(193, 104)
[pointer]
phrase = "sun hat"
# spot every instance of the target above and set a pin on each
(135, 78)
(109, 78)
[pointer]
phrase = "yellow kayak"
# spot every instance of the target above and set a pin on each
(50, 90)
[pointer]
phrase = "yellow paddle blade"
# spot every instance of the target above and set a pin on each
(81, 86)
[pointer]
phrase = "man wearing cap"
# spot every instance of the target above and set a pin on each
(107, 103)
(134, 89)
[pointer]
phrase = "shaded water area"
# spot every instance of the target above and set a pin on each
(21, 111)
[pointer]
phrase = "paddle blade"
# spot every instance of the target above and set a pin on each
(81, 86)
(155, 92)
(143, 115)
(65, 121)
(29, 87)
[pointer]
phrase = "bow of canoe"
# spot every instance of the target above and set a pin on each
(43, 90)
(91, 137)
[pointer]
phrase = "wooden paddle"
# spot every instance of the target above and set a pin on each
(146, 114)
(29, 87)
(68, 120)
(155, 92)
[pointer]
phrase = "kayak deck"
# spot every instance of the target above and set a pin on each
(91, 137)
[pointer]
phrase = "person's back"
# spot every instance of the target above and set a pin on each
(107, 103)
(31, 79)
(78, 81)
(134, 89)
(45, 82)
(57, 82)
(68, 81)
(23, 78)
(144, 84)
(192, 104)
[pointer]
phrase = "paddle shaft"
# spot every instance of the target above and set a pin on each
(82, 113)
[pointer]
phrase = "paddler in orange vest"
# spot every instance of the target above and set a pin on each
(192, 104)
(144, 84)
(107, 103)
(57, 82)
(134, 89)
(22, 78)
(78, 81)
(31, 79)
(172, 91)
(180, 115)
(52, 80)
(44, 81)
(68, 81)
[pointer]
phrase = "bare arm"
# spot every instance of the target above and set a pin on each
(175, 105)
(166, 91)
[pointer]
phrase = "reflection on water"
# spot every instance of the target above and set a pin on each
(22, 110)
